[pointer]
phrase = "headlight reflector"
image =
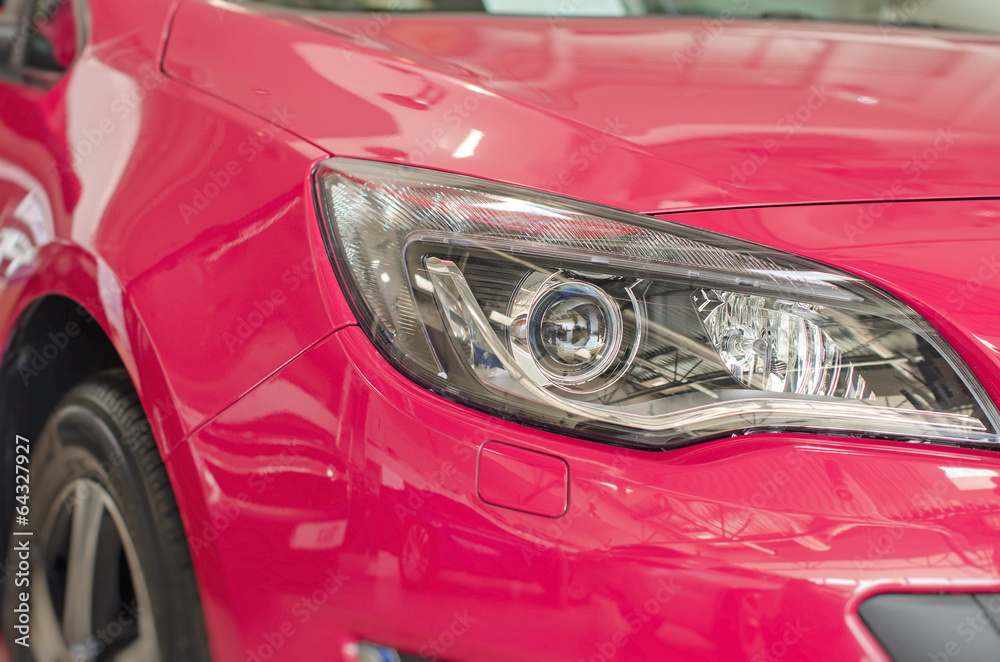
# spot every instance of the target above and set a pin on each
(773, 345)
(618, 327)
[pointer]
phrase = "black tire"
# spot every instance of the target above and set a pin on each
(99, 490)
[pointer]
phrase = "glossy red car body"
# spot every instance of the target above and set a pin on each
(167, 180)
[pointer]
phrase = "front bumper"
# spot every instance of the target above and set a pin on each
(299, 501)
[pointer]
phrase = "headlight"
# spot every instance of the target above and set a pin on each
(619, 327)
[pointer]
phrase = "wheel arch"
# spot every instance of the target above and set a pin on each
(70, 319)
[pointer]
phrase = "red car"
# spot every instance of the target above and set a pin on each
(496, 330)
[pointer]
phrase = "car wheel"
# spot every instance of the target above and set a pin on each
(418, 556)
(110, 572)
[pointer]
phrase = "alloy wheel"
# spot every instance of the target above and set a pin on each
(89, 598)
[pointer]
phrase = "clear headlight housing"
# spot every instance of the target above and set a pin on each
(618, 327)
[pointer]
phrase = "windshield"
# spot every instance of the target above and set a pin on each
(964, 15)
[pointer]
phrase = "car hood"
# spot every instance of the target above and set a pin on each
(649, 115)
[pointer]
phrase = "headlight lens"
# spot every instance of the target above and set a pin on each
(619, 327)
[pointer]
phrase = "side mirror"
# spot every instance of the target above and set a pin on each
(51, 36)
